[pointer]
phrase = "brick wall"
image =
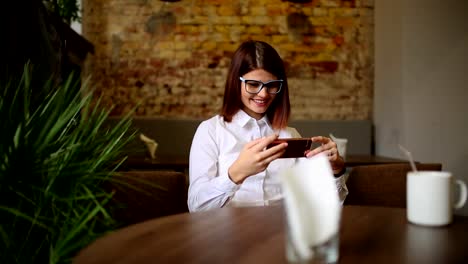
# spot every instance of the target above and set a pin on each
(171, 59)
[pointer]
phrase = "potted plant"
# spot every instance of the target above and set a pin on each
(55, 155)
(68, 10)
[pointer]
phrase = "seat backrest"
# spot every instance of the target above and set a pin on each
(381, 185)
(174, 135)
(143, 195)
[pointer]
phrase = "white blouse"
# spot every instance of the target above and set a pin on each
(215, 147)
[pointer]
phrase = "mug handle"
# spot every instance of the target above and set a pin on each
(463, 195)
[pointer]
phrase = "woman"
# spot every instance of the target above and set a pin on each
(229, 162)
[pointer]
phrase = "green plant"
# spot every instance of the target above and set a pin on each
(55, 156)
(68, 10)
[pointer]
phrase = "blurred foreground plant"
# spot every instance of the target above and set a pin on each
(55, 155)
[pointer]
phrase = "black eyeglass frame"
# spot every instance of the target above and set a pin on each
(263, 85)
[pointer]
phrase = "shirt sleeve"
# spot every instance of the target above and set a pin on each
(207, 189)
(341, 186)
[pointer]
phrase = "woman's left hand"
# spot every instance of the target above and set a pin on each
(328, 147)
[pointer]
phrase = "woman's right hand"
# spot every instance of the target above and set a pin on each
(255, 158)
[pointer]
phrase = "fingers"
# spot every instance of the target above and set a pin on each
(266, 155)
(332, 154)
(253, 143)
(272, 151)
(263, 163)
(327, 146)
(321, 139)
(264, 142)
(254, 158)
(256, 152)
(275, 156)
(260, 143)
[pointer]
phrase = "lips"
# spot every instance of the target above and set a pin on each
(260, 102)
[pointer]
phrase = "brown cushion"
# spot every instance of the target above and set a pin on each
(381, 185)
(143, 195)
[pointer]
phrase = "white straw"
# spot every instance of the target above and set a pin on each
(410, 157)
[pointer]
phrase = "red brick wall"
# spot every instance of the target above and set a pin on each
(171, 59)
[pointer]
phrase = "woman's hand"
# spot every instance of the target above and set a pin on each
(328, 146)
(255, 158)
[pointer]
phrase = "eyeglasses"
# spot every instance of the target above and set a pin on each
(254, 86)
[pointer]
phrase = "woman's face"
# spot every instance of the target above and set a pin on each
(256, 105)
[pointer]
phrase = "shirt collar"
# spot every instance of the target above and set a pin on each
(242, 118)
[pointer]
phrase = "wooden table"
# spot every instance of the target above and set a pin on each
(182, 163)
(174, 163)
(256, 235)
(361, 160)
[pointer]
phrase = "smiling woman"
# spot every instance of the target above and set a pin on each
(230, 164)
(255, 60)
(255, 99)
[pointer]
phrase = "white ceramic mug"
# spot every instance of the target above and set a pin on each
(429, 197)
(340, 145)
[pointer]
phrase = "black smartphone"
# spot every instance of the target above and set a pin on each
(297, 147)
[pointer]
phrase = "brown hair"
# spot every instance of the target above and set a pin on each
(253, 55)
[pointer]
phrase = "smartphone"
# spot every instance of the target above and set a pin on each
(297, 147)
